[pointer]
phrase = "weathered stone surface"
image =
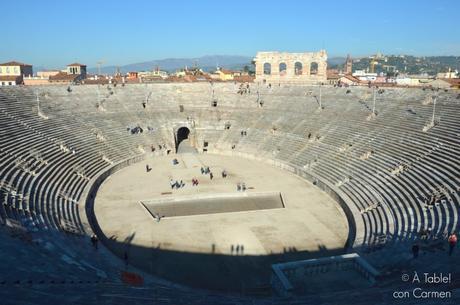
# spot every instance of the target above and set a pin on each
(310, 69)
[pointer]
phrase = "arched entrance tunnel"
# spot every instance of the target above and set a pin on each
(182, 134)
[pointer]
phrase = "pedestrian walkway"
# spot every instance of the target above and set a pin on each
(190, 160)
(185, 147)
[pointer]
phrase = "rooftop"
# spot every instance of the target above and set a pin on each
(64, 76)
(76, 64)
(225, 71)
(14, 63)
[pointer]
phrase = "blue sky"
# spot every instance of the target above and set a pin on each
(54, 33)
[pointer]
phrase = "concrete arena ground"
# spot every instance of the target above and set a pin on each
(197, 250)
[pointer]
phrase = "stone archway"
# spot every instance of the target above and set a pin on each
(182, 134)
(295, 68)
(267, 68)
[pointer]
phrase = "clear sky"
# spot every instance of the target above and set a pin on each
(53, 33)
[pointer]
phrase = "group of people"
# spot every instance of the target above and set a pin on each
(238, 249)
(138, 129)
(244, 89)
(135, 130)
(241, 186)
(205, 171)
(160, 147)
(176, 184)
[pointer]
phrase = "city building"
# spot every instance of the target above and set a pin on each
(227, 75)
(42, 78)
(333, 76)
(77, 69)
(414, 80)
(47, 73)
(74, 73)
(12, 73)
(133, 75)
(348, 65)
(365, 76)
(159, 73)
(349, 80)
(152, 76)
(448, 74)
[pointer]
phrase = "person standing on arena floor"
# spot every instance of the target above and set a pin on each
(94, 241)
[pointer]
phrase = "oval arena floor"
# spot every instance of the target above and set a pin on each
(213, 244)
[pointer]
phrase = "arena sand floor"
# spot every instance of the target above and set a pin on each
(217, 249)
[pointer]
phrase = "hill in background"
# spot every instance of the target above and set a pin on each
(406, 64)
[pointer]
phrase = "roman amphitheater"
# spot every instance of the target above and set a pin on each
(325, 191)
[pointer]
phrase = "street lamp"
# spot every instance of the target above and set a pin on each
(373, 106)
(434, 110)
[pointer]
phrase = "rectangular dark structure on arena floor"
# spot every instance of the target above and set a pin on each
(213, 203)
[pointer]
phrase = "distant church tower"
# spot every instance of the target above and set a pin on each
(349, 65)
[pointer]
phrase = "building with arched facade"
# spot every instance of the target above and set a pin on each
(296, 68)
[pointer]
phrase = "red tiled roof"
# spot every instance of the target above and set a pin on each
(332, 74)
(101, 81)
(225, 71)
(244, 79)
(352, 78)
(14, 63)
(62, 76)
(76, 64)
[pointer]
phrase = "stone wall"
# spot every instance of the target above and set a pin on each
(295, 68)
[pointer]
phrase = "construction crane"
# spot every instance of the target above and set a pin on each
(99, 63)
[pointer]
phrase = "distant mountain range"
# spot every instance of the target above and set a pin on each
(207, 63)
